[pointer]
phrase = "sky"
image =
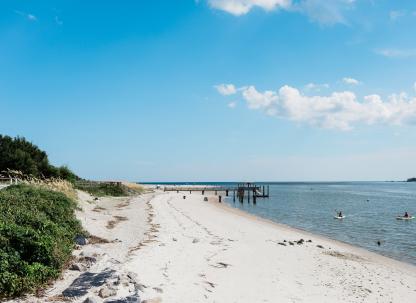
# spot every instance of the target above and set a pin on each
(213, 90)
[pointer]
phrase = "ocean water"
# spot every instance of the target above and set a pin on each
(370, 209)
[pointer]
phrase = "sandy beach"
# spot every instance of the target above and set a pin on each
(160, 247)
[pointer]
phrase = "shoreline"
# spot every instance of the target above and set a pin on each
(362, 250)
(246, 258)
(161, 247)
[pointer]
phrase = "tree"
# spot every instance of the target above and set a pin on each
(22, 155)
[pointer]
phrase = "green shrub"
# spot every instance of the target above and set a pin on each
(21, 155)
(101, 189)
(37, 230)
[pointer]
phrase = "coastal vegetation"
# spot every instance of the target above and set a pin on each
(37, 231)
(411, 180)
(38, 225)
(18, 154)
(114, 189)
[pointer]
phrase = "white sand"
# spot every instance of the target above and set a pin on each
(195, 251)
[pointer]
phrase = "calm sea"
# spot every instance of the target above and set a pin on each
(370, 209)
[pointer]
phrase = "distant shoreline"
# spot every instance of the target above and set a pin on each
(265, 182)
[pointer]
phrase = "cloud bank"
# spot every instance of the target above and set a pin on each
(226, 89)
(322, 11)
(242, 7)
(396, 53)
(339, 110)
(350, 81)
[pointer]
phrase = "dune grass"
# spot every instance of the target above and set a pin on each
(113, 189)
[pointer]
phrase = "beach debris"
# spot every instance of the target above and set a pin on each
(81, 240)
(77, 267)
(139, 286)
(116, 219)
(309, 241)
(122, 280)
(319, 246)
(106, 292)
(97, 240)
(221, 265)
(195, 240)
(291, 243)
(87, 260)
(98, 209)
(281, 243)
(174, 239)
(210, 284)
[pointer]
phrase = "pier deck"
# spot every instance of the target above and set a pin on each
(240, 191)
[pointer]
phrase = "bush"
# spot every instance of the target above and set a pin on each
(101, 189)
(21, 155)
(37, 231)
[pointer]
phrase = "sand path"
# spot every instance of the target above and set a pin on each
(207, 253)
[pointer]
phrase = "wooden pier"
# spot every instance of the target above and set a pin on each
(240, 191)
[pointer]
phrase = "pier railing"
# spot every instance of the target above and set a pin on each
(239, 191)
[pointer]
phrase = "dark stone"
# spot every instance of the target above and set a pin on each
(129, 299)
(77, 267)
(81, 240)
(90, 300)
(86, 281)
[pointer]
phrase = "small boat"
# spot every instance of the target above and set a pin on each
(405, 218)
(339, 217)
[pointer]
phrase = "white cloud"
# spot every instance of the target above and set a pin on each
(242, 7)
(321, 11)
(396, 53)
(257, 100)
(29, 17)
(340, 110)
(226, 89)
(414, 86)
(324, 11)
(394, 15)
(232, 104)
(316, 87)
(350, 81)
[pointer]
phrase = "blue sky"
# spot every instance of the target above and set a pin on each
(214, 89)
